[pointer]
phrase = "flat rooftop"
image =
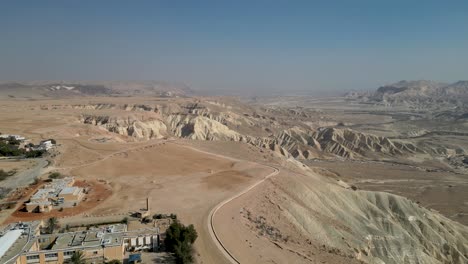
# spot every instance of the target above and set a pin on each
(43, 193)
(40, 202)
(87, 239)
(8, 239)
(69, 190)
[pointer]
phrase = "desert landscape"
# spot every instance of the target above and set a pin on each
(233, 132)
(362, 178)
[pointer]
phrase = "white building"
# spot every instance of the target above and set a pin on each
(8, 240)
(17, 137)
(46, 144)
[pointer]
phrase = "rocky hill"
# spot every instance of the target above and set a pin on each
(422, 94)
(305, 215)
(205, 120)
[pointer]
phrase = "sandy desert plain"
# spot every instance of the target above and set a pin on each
(279, 180)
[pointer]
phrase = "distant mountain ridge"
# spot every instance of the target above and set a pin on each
(38, 89)
(418, 94)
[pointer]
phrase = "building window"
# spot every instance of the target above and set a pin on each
(32, 257)
(68, 253)
(51, 255)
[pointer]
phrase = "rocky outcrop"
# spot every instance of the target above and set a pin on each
(347, 143)
(129, 126)
(307, 144)
(200, 128)
(198, 122)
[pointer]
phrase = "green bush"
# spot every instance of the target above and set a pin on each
(5, 174)
(179, 240)
(13, 141)
(157, 216)
(8, 150)
(55, 175)
(34, 153)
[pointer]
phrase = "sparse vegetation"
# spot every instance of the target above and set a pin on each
(4, 192)
(165, 216)
(13, 141)
(34, 153)
(179, 240)
(6, 174)
(9, 150)
(10, 147)
(56, 175)
(158, 216)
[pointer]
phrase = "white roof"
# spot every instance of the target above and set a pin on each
(8, 240)
(14, 136)
(69, 190)
(42, 193)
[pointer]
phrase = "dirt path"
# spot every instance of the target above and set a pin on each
(105, 157)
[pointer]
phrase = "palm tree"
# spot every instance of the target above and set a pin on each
(77, 258)
(52, 224)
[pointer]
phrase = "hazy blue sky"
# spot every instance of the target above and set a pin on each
(236, 45)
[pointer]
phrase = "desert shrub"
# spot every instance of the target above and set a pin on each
(55, 175)
(6, 174)
(157, 216)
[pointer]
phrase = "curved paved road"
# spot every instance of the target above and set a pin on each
(214, 236)
(211, 227)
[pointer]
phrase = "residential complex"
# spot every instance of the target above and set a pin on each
(98, 245)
